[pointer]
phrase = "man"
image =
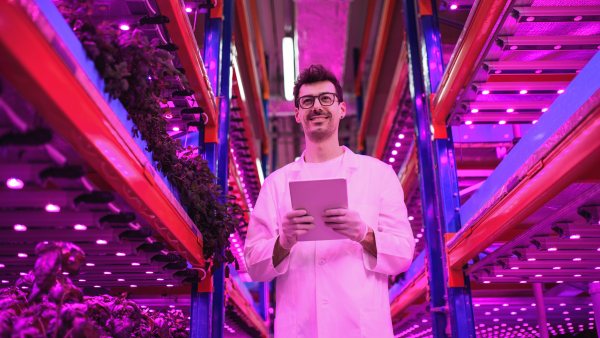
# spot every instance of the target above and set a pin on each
(330, 288)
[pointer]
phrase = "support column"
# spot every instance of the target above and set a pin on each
(200, 313)
(439, 181)
(218, 315)
(431, 219)
(540, 308)
(595, 295)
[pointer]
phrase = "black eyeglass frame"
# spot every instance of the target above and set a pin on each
(318, 97)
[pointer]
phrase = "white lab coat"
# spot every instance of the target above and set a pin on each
(333, 288)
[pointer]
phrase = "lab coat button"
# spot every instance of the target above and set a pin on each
(322, 262)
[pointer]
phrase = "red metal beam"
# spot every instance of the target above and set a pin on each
(78, 112)
(413, 290)
(384, 29)
(571, 160)
(464, 65)
(260, 50)
(391, 105)
(246, 310)
(182, 35)
(363, 49)
(409, 173)
(243, 19)
(238, 90)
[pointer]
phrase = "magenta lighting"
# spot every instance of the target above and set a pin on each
(52, 207)
(523, 91)
(392, 160)
(20, 227)
(120, 254)
(398, 144)
(101, 242)
(14, 183)
(468, 122)
(80, 227)
(453, 6)
(22, 255)
(560, 91)
(124, 27)
(175, 128)
(90, 264)
(401, 136)
(475, 110)
(502, 122)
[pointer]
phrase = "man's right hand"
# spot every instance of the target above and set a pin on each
(296, 223)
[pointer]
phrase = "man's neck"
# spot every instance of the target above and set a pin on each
(323, 151)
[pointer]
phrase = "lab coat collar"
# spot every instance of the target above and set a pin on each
(350, 160)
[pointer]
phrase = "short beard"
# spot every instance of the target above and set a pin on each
(319, 136)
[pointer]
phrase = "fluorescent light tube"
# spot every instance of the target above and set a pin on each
(289, 69)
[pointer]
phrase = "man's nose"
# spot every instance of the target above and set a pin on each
(317, 105)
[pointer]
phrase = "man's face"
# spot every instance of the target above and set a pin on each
(320, 122)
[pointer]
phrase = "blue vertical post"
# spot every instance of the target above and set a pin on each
(201, 307)
(264, 160)
(429, 205)
(200, 313)
(444, 170)
(218, 317)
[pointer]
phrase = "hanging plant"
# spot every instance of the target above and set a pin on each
(137, 73)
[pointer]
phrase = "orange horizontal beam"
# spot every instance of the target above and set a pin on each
(244, 21)
(391, 105)
(384, 30)
(182, 35)
(464, 65)
(246, 310)
(409, 172)
(412, 291)
(571, 159)
(73, 106)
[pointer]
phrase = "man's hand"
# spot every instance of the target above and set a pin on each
(346, 222)
(296, 223)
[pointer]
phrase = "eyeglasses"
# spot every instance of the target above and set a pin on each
(326, 99)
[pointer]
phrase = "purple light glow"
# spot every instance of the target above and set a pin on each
(531, 18)
(392, 160)
(124, 27)
(80, 227)
(22, 255)
(502, 122)
(557, 47)
(513, 47)
(510, 110)
(121, 254)
(485, 92)
(468, 122)
(560, 91)
(398, 144)
(52, 207)
(453, 6)
(101, 242)
(189, 10)
(575, 236)
(20, 227)
(475, 110)
(523, 91)
(14, 183)
(401, 136)
(175, 128)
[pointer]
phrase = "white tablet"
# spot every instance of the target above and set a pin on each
(316, 196)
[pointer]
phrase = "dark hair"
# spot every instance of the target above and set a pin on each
(316, 73)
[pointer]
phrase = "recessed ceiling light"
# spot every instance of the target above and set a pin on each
(101, 242)
(120, 280)
(96, 286)
(133, 286)
(169, 285)
(22, 255)
(124, 27)
(485, 92)
(121, 254)
(453, 6)
(135, 264)
(80, 227)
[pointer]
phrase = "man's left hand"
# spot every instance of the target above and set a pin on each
(345, 222)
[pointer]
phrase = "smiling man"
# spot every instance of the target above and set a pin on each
(332, 288)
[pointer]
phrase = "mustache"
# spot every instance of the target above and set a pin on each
(318, 114)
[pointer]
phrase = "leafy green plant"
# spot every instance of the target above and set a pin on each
(137, 73)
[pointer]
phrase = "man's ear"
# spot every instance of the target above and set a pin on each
(296, 113)
(342, 109)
